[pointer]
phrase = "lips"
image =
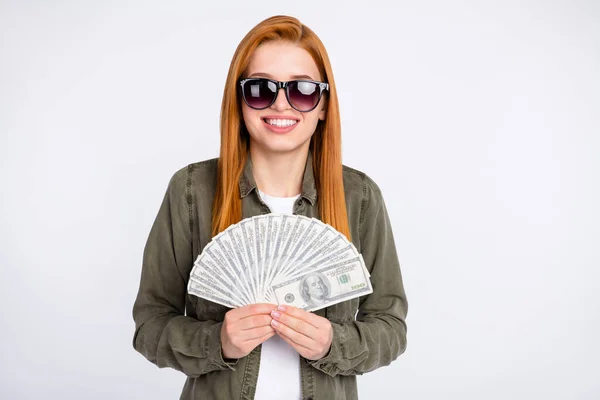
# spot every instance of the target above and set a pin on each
(280, 123)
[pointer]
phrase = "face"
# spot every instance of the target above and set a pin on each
(268, 128)
(316, 288)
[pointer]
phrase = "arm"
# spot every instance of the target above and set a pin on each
(163, 334)
(378, 336)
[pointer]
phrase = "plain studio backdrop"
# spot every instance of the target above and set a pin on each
(480, 121)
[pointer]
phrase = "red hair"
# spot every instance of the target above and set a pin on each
(326, 142)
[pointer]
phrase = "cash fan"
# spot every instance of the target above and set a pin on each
(279, 259)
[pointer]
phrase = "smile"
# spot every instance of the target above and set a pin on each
(282, 123)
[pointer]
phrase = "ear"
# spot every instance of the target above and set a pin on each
(323, 111)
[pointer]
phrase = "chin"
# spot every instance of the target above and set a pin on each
(282, 146)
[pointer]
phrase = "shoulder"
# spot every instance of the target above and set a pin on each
(201, 173)
(364, 199)
(358, 182)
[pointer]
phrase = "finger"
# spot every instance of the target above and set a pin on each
(253, 321)
(291, 334)
(309, 317)
(251, 309)
(256, 333)
(299, 325)
(299, 348)
(262, 339)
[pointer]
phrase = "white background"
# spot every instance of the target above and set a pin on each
(480, 121)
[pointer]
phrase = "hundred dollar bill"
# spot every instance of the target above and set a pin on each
(260, 232)
(248, 230)
(303, 233)
(298, 226)
(207, 271)
(273, 229)
(207, 290)
(230, 251)
(291, 229)
(305, 236)
(327, 238)
(240, 247)
(323, 247)
(285, 227)
(326, 286)
(233, 274)
(346, 252)
(332, 257)
(198, 289)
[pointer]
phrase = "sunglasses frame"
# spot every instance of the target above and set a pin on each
(284, 85)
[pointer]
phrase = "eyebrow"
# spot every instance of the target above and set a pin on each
(265, 75)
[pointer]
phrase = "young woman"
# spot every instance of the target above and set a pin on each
(280, 152)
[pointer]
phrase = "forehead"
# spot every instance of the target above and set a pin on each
(312, 279)
(282, 61)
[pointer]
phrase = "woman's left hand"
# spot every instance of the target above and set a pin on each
(306, 332)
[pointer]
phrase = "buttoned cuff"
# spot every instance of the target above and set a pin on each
(214, 350)
(327, 364)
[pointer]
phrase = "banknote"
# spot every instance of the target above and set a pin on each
(207, 272)
(325, 286)
(225, 269)
(204, 292)
(230, 255)
(250, 261)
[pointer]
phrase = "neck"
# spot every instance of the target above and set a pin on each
(279, 174)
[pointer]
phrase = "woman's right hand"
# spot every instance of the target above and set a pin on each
(245, 328)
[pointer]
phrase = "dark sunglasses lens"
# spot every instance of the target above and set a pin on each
(303, 96)
(259, 93)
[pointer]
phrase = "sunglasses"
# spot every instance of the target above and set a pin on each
(261, 93)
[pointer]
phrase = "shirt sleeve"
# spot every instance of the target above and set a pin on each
(378, 336)
(163, 334)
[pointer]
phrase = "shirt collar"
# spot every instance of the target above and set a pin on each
(309, 187)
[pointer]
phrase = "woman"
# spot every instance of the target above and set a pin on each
(280, 152)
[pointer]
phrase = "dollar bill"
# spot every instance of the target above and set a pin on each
(200, 290)
(286, 225)
(261, 231)
(207, 272)
(250, 246)
(331, 257)
(272, 232)
(246, 262)
(299, 225)
(230, 253)
(325, 286)
(326, 238)
(225, 268)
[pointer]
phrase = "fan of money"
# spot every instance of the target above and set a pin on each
(280, 259)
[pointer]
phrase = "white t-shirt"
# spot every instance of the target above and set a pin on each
(279, 372)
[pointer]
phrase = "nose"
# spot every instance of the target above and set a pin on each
(281, 102)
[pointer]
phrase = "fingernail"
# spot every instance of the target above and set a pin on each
(281, 308)
(274, 323)
(275, 314)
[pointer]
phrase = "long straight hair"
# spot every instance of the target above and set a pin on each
(326, 142)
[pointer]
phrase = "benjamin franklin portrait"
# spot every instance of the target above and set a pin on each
(314, 288)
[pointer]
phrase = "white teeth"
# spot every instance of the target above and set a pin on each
(281, 122)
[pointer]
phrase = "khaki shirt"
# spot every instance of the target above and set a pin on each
(182, 331)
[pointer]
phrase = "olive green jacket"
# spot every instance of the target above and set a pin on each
(182, 331)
